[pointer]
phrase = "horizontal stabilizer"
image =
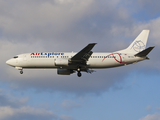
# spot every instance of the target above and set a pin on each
(144, 53)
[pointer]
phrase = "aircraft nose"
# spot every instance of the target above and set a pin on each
(10, 62)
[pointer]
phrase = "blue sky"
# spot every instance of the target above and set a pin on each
(124, 93)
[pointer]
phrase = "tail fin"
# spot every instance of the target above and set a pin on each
(139, 44)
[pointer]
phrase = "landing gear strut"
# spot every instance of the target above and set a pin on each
(21, 72)
(79, 72)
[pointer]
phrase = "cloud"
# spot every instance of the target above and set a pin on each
(50, 24)
(69, 25)
(15, 108)
(62, 21)
(150, 7)
(48, 80)
(7, 99)
(66, 117)
(155, 116)
(69, 104)
(26, 18)
(23, 113)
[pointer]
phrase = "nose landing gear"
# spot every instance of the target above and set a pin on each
(21, 71)
(19, 68)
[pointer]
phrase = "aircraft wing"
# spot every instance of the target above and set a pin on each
(84, 54)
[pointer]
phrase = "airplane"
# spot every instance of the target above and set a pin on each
(85, 60)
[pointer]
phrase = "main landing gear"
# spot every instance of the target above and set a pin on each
(79, 74)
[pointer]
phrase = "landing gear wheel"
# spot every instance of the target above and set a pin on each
(79, 74)
(21, 72)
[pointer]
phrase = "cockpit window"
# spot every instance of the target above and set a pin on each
(15, 57)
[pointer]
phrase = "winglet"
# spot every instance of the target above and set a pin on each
(92, 43)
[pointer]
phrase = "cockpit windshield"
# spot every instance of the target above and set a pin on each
(15, 57)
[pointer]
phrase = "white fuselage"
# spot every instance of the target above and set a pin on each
(48, 60)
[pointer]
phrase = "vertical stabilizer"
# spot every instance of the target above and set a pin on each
(139, 44)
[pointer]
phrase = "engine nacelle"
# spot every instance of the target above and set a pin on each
(61, 62)
(64, 71)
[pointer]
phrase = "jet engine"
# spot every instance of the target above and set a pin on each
(61, 62)
(64, 71)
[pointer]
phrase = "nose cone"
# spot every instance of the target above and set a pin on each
(10, 62)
